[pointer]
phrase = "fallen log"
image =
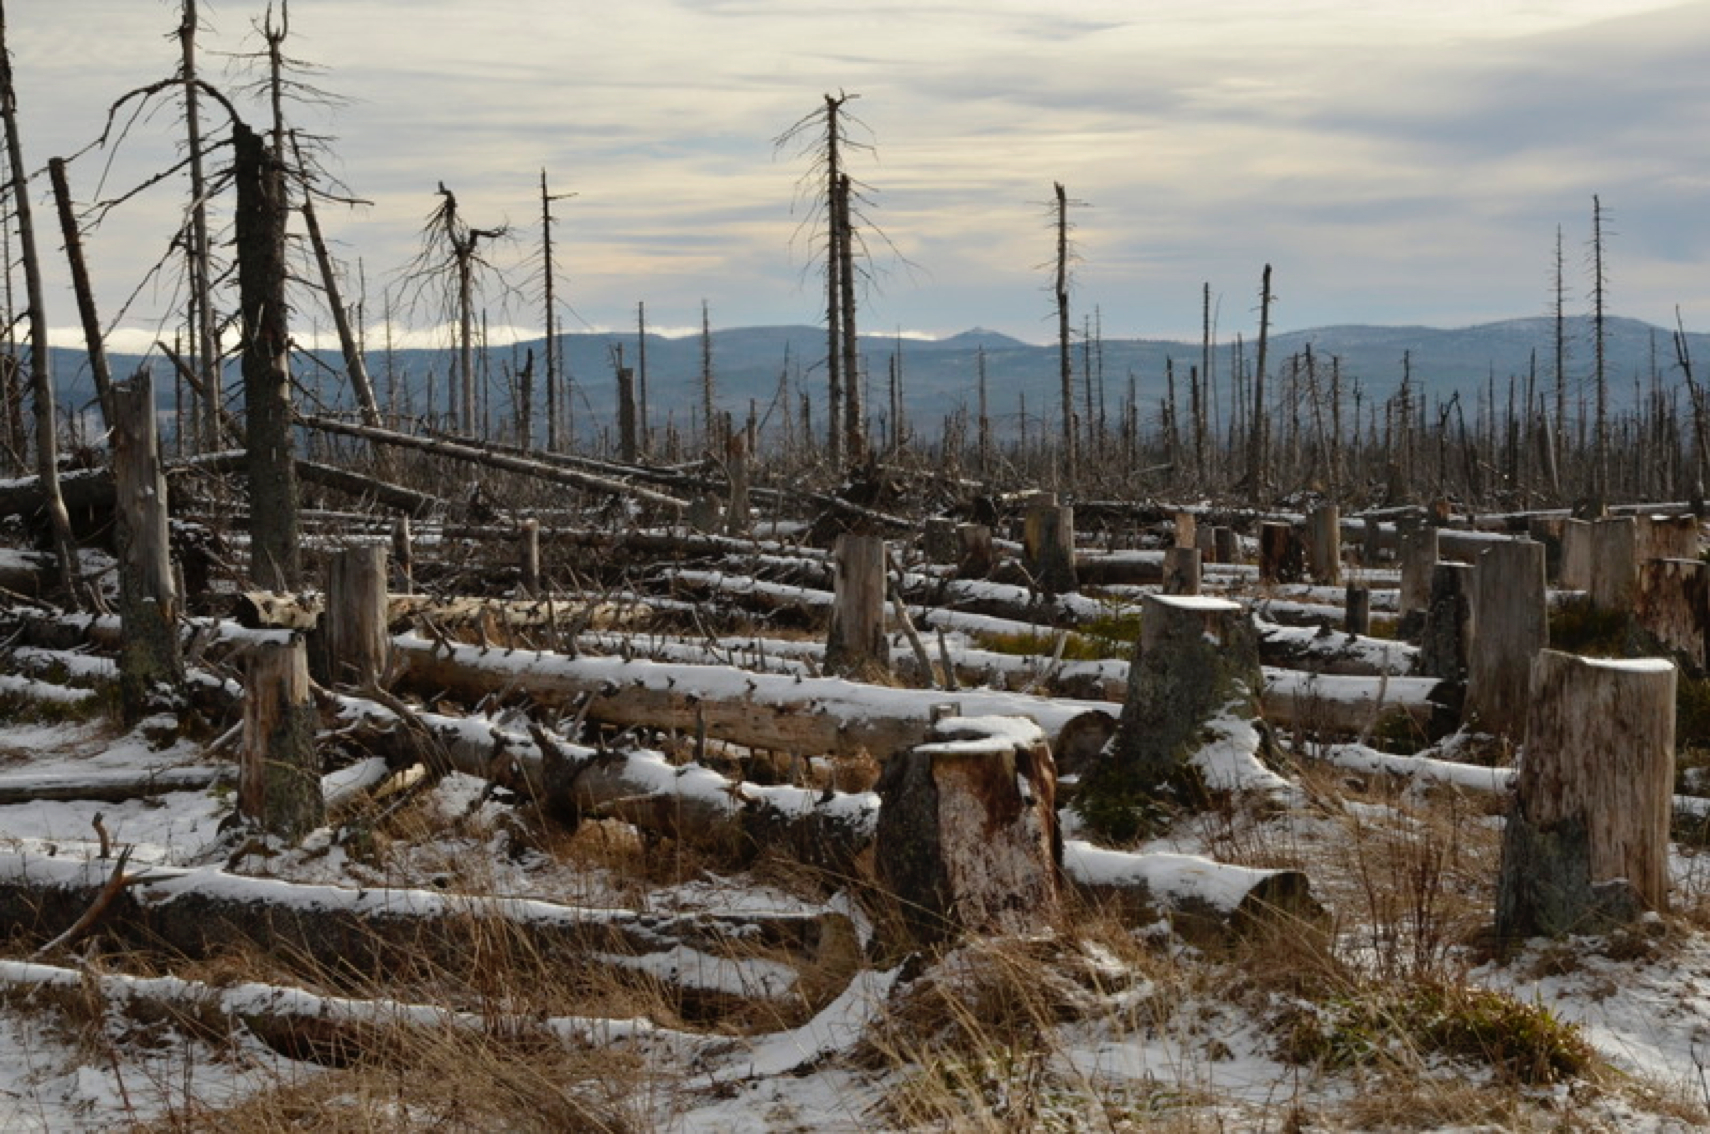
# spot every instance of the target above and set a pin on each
(475, 454)
(714, 962)
(807, 716)
(395, 497)
(1201, 898)
(110, 787)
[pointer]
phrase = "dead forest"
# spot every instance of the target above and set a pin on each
(584, 775)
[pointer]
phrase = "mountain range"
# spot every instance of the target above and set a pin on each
(752, 365)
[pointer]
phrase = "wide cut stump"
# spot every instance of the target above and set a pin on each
(967, 837)
(1586, 843)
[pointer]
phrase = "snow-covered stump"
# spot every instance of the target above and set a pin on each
(354, 639)
(1357, 609)
(1510, 623)
(967, 838)
(1324, 544)
(1447, 631)
(975, 559)
(279, 779)
(1282, 559)
(855, 645)
(1417, 551)
(1586, 844)
(151, 669)
(1048, 547)
(1672, 614)
(1197, 659)
(1614, 564)
(1181, 571)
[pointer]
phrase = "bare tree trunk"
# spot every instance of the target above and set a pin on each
(151, 670)
(354, 363)
(202, 323)
(855, 646)
(1256, 434)
(275, 544)
(92, 337)
(279, 784)
(354, 634)
(854, 412)
(41, 364)
(1065, 360)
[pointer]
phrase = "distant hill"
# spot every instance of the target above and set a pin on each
(752, 365)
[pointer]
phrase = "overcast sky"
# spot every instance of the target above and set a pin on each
(1396, 161)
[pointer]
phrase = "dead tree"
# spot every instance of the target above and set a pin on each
(1256, 434)
(41, 367)
(85, 295)
(855, 646)
(151, 669)
(279, 781)
(203, 326)
(275, 544)
(1065, 357)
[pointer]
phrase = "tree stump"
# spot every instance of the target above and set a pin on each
(1196, 659)
(355, 641)
(976, 558)
(1324, 544)
(1510, 625)
(1228, 546)
(1614, 552)
(528, 549)
(1586, 844)
(403, 554)
(855, 646)
(1666, 537)
(967, 837)
(1048, 547)
(939, 541)
(1206, 540)
(1357, 609)
(1181, 571)
(1281, 557)
(1418, 554)
(1186, 530)
(279, 777)
(1371, 545)
(151, 669)
(1673, 612)
(1547, 530)
(1576, 556)
(1447, 631)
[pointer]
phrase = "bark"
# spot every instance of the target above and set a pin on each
(1447, 635)
(1586, 844)
(1181, 571)
(1673, 612)
(1049, 547)
(1281, 555)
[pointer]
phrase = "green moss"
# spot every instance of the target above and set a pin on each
(1577, 627)
(1524, 1042)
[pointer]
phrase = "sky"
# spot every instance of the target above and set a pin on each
(1396, 162)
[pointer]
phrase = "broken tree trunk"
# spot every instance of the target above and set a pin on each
(151, 668)
(967, 839)
(1048, 547)
(976, 558)
(1510, 621)
(1357, 609)
(1324, 544)
(1418, 552)
(1181, 571)
(855, 646)
(275, 541)
(279, 784)
(1281, 557)
(355, 640)
(1614, 563)
(1673, 611)
(1586, 844)
(1196, 658)
(1447, 633)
